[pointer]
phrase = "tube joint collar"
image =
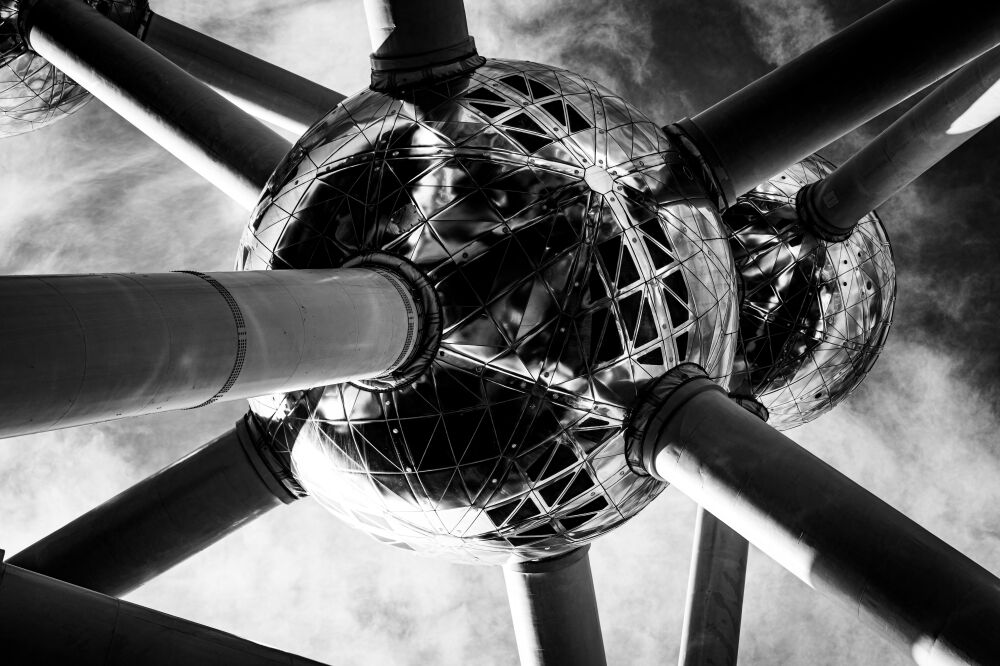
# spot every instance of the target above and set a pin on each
(811, 215)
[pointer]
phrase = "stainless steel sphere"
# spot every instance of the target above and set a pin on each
(33, 93)
(574, 259)
(814, 314)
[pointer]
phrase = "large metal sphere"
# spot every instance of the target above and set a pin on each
(574, 258)
(33, 93)
(815, 315)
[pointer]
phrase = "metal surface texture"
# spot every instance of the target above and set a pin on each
(939, 606)
(554, 609)
(47, 621)
(87, 348)
(263, 90)
(165, 519)
(232, 150)
(863, 70)
(418, 41)
(575, 258)
(714, 609)
(935, 127)
(33, 93)
(815, 314)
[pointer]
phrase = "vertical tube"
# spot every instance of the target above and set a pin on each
(834, 535)
(554, 608)
(47, 621)
(263, 90)
(165, 519)
(416, 41)
(417, 29)
(944, 120)
(714, 609)
(865, 69)
(222, 143)
(86, 348)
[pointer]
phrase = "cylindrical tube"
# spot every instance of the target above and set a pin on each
(263, 90)
(714, 610)
(554, 608)
(834, 535)
(47, 621)
(230, 149)
(923, 136)
(87, 348)
(865, 69)
(411, 34)
(162, 520)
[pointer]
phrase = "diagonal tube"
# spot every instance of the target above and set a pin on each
(838, 538)
(266, 92)
(943, 121)
(554, 609)
(46, 621)
(87, 348)
(232, 150)
(865, 69)
(165, 519)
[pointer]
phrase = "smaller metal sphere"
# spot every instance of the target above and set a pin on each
(814, 314)
(33, 93)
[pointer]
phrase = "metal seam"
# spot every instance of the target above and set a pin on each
(241, 335)
(411, 315)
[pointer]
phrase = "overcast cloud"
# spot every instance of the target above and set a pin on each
(92, 194)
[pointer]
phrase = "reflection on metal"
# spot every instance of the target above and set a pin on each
(838, 85)
(170, 516)
(714, 609)
(233, 151)
(919, 139)
(47, 621)
(554, 610)
(418, 41)
(938, 605)
(261, 89)
(575, 259)
(87, 348)
(33, 93)
(815, 314)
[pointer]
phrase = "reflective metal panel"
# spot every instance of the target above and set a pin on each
(33, 93)
(574, 257)
(815, 315)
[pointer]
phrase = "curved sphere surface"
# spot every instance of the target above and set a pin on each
(815, 315)
(574, 259)
(33, 93)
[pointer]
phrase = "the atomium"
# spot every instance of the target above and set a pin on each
(814, 314)
(574, 258)
(33, 93)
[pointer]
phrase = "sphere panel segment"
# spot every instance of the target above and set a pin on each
(815, 314)
(33, 93)
(574, 259)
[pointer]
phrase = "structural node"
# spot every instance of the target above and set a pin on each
(574, 257)
(815, 314)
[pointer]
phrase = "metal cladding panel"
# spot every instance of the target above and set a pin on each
(815, 314)
(574, 258)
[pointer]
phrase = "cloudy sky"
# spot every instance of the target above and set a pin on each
(91, 194)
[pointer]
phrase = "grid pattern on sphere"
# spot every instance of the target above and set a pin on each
(575, 259)
(815, 314)
(33, 93)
